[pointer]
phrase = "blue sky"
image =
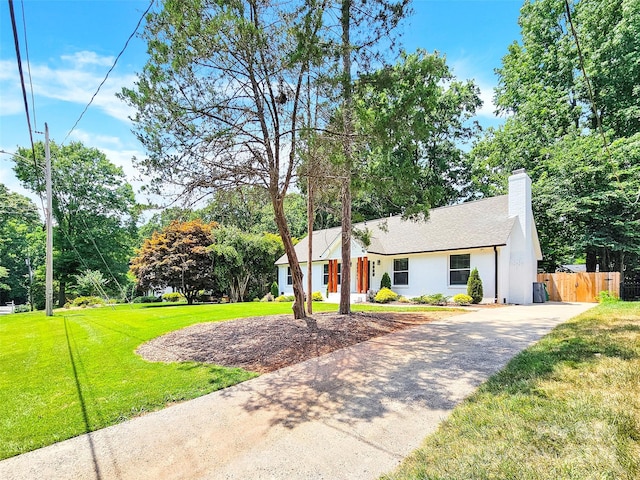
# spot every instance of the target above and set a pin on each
(72, 44)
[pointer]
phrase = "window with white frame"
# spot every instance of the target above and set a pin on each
(289, 277)
(459, 269)
(325, 274)
(401, 271)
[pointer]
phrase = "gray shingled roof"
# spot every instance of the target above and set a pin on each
(481, 223)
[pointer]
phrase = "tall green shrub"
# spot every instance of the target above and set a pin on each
(275, 290)
(386, 281)
(474, 286)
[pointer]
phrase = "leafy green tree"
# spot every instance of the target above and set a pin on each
(557, 115)
(244, 262)
(93, 206)
(178, 257)
(21, 244)
(413, 119)
(4, 273)
(474, 286)
(218, 101)
(91, 283)
(591, 199)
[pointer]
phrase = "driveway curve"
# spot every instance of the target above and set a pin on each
(352, 414)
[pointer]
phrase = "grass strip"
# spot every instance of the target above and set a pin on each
(565, 408)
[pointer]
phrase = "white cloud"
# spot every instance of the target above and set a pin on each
(95, 139)
(75, 85)
(88, 58)
(11, 102)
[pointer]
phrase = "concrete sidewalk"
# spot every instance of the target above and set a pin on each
(352, 414)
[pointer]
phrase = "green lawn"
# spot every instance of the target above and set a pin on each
(76, 372)
(566, 408)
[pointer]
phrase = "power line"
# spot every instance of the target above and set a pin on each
(24, 90)
(26, 49)
(109, 71)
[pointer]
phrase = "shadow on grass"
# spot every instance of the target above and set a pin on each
(81, 400)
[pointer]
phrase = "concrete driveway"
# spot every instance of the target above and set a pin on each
(352, 414)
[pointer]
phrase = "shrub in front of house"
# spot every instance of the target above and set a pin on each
(462, 299)
(173, 297)
(317, 297)
(433, 299)
(385, 282)
(275, 290)
(386, 295)
(474, 286)
(285, 298)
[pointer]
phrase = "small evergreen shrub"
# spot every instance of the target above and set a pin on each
(255, 299)
(386, 295)
(403, 299)
(275, 290)
(21, 308)
(474, 286)
(317, 297)
(147, 299)
(385, 282)
(462, 299)
(173, 297)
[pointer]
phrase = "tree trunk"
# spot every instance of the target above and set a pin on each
(62, 294)
(296, 271)
(592, 259)
(345, 287)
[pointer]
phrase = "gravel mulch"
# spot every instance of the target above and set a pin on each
(265, 344)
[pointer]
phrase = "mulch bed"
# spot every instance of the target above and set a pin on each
(265, 344)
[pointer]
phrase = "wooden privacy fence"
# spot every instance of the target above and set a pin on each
(580, 287)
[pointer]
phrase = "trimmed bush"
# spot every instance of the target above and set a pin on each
(173, 297)
(386, 295)
(385, 282)
(87, 301)
(433, 299)
(147, 299)
(474, 286)
(317, 297)
(275, 290)
(285, 298)
(462, 299)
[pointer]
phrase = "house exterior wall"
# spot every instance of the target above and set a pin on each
(428, 273)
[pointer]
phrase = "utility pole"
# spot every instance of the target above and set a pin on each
(49, 257)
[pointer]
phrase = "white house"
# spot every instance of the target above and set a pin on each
(496, 235)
